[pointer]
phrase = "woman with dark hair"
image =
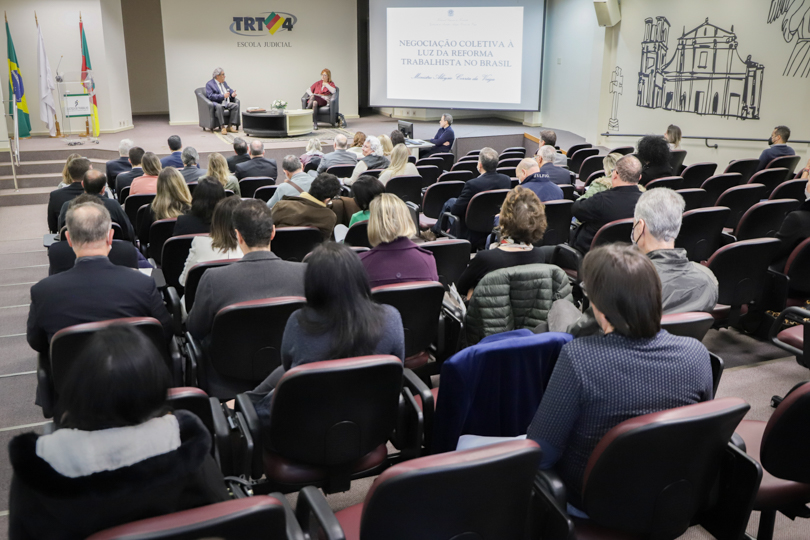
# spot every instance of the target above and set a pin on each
(221, 244)
(364, 190)
(145, 461)
(653, 152)
(207, 194)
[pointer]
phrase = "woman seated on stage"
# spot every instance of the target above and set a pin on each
(218, 168)
(320, 95)
(357, 143)
(373, 158)
(222, 242)
(400, 166)
(197, 220)
(314, 153)
(173, 199)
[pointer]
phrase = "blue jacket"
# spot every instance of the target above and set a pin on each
(773, 152)
(442, 136)
(212, 91)
(172, 160)
(543, 187)
(558, 175)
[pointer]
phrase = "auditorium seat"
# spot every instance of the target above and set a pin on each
(739, 199)
(671, 182)
(764, 219)
(702, 232)
(265, 193)
(558, 219)
(518, 151)
(134, 202)
(357, 235)
(770, 178)
(472, 158)
(788, 162)
(249, 185)
(341, 171)
(431, 160)
(473, 153)
(471, 166)
(793, 338)
(294, 243)
(160, 231)
(692, 197)
(173, 259)
(123, 194)
(330, 113)
(575, 160)
(511, 172)
(429, 173)
(595, 175)
(452, 176)
(512, 155)
(207, 112)
(412, 159)
(434, 198)
(694, 324)
(623, 150)
(676, 158)
(509, 162)
(481, 212)
(210, 413)
(568, 192)
(746, 167)
(590, 165)
(570, 259)
(694, 175)
(194, 276)
(407, 188)
(451, 256)
(716, 185)
(573, 149)
(792, 189)
(373, 172)
(447, 160)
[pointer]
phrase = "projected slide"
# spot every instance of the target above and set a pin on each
(459, 54)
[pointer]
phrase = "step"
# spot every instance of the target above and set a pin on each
(24, 196)
(50, 180)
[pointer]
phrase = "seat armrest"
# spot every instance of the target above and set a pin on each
(417, 386)
(251, 428)
(775, 295)
(176, 359)
(566, 256)
(797, 313)
(410, 427)
(193, 359)
(312, 504)
(157, 275)
(172, 300)
(551, 482)
(737, 441)
(549, 516)
(443, 224)
(222, 437)
(44, 386)
(726, 239)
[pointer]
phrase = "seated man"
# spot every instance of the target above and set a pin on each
(116, 166)
(240, 149)
(795, 229)
(297, 181)
(95, 183)
(310, 209)
(191, 169)
(95, 289)
(558, 175)
(58, 197)
(778, 147)
(341, 156)
(530, 177)
(258, 165)
(444, 138)
(259, 274)
(125, 179)
(175, 159)
(618, 202)
(223, 97)
(549, 138)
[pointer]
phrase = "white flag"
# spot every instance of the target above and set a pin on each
(47, 108)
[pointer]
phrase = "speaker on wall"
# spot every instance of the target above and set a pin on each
(608, 12)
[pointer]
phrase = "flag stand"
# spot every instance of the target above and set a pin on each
(14, 143)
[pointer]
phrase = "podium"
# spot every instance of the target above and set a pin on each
(76, 105)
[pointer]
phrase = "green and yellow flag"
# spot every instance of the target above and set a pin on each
(87, 79)
(16, 89)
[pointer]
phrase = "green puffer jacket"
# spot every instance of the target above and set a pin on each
(514, 298)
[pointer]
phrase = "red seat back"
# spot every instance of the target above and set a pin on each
(746, 167)
(420, 305)
(482, 209)
(249, 185)
(194, 276)
(452, 258)
(615, 231)
(764, 218)
(697, 173)
(786, 440)
(294, 243)
(717, 184)
(701, 231)
(558, 220)
(739, 199)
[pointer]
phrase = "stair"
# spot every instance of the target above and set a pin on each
(25, 196)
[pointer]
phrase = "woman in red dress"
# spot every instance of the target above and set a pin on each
(320, 94)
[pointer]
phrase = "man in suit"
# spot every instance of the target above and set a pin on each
(259, 274)
(558, 175)
(95, 183)
(530, 177)
(444, 138)
(258, 164)
(175, 159)
(116, 166)
(549, 138)
(125, 179)
(341, 156)
(58, 197)
(618, 202)
(778, 147)
(240, 155)
(223, 97)
(191, 170)
(296, 180)
(310, 209)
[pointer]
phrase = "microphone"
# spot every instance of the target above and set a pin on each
(59, 75)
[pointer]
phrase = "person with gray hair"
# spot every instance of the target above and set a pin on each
(549, 138)
(296, 183)
(258, 165)
(341, 156)
(530, 177)
(373, 158)
(224, 99)
(443, 141)
(548, 170)
(618, 202)
(191, 168)
(115, 167)
(687, 286)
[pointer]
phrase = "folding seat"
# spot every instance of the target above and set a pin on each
(623, 150)
(244, 348)
(764, 219)
(770, 178)
(590, 165)
(191, 187)
(293, 243)
(694, 324)
(796, 281)
(122, 196)
(571, 151)
(575, 160)
(746, 167)
(373, 172)
(694, 175)
(509, 162)
(471, 166)
(249, 185)
(788, 162)
(141, 216)
(473, 158)
(568, 192)
(472, 153)
(210, 413)
(570, 259)
(265, 193)
(412, 159)
(173, 259)
(676, 158)
(739, 199)
(655, 475)
(341, 171)
(793, 338)
(590, 178)
(194, 276)
(481, 213)
(434, 198)
(516, 150)
(160, 231)
(357, 235)
(671, 182)
(447, 160)
(407, 188)
(429, 173)
(558, 219)
(716, 185)
(511, 172)
(512, 155)
(693, 197)
(456, 176)
(792, 189)
(134, 202)
(452, 258)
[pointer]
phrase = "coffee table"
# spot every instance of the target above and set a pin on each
(277, 123)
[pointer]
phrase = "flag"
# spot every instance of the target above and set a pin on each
(87, 79)
(47, 107)
(17, 89)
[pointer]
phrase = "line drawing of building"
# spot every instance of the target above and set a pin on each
(794, 15)
(704, 76)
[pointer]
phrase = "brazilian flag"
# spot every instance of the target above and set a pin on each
(16, 89)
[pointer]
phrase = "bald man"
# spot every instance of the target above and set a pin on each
(528, 172)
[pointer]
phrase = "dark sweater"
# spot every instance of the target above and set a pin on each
(494, 259)
(191, 224)
(648, 174)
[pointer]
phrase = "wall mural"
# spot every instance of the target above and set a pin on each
(795, 22)
(705, 74)
(616, 87)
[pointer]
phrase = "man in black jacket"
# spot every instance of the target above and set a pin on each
(240, 149)
(794, 230)
(117, 166)
(619, 202)
(125, 179)
(58, 197)
(258, 164)
(95, 183)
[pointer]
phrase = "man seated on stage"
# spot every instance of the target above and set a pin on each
(258, 164)
(240, 155)
(530, 177)
(175, 159)
(94, 183)
(310, 209)
(116, 166)
(223, 97)
(58, 197)
(191, 170)
(296, 180)
(444, 137)
(558, 175)
(341, 156)
(549, 138)
(125, 179)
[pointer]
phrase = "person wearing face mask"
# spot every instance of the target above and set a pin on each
(795, 229)
(778, 147)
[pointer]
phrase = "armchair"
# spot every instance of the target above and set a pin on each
(207, 112)
(330, 113)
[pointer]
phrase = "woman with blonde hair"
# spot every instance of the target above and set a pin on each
(387, 145)
(394, 257)
(314, 150)
(172, 200)
(66, 179)
(148, 182)
(603, 183)
(218, 168)
(400, 166)
(357, 143)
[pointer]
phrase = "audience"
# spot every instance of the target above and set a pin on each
(794, 230)
(364, 190)
(258, 164)
(673, 137)
(240, 155)
(357, 143)
(147, 183)
(175, 159)
(296, 180)
(172, 200)
(778, 147)
(397, 137)
(197, 219)
(400, 166)
(522, 224)
(530, 177)
(394, 257)
(125, 179)
(66, 179)
(618, 202)
(221, 244)
(387, 146)
(218, 169)
(443, 141)
(191, 170)
(804, 174)
(76, 170)
(258, 274)
(310, 209)
(546, 156)
(119, 453)
(116, 166)
(314, 153)
(95, 183)
(373, 158)
(340, 156)
(603, 183)
(549, 138)
(653, 152)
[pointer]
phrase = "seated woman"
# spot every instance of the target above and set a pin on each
(603, 183)
(337, 322)
(400, 166)
(313, 154)
(364, 190)
(673, 137)
(522, 224)
(394, 257)
(218, 168)
(198, 218)
(145, 461)
(172, 200)
(387, 145)
(222, 242)
(653, 152)
(66, 179)
(357, 143)
(373, 158)
(320, 94)
(148, 182)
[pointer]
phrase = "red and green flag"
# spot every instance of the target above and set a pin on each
(16, 89)
(87, 79)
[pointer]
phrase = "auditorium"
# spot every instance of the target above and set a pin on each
(405, 270)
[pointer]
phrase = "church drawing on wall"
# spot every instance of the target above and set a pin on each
(705, 75)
